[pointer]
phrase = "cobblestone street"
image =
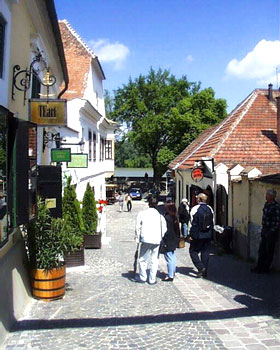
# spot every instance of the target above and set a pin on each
(104, 309)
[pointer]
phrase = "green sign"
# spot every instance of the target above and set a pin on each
(78, 160)
(61, 155)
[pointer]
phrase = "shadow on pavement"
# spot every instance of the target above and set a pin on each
(40, 324)
(230, 271)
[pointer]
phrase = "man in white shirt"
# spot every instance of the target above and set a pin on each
(149, 230)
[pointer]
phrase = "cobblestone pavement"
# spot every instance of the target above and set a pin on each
(104, 309)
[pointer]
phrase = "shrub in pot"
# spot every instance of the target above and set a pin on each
(71, 212)
(89, 214)
(47, 240)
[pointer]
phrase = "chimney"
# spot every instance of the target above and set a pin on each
(270, 95)
(278, 119)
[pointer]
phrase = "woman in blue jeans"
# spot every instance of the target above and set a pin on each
(171, 240)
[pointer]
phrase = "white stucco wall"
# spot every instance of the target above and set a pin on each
(94, 91)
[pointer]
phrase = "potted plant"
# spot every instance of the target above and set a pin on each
(71, 212)
(47, 240)
(92, 238)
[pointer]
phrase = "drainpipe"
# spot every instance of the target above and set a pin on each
(182, 191)
(249, 219)
(278, 120)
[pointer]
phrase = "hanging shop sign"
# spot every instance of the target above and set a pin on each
(197, 174)
(78, 160)
(48, 112)
(61, 154)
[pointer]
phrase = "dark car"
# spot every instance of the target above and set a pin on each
(135, 193)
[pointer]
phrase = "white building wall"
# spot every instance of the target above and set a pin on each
(94, 91)
(82, 118)
(4, 81)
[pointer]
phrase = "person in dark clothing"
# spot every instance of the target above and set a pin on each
(269, 232)
(128, 200)
(201, 231)
(171, 240)
(184, 216)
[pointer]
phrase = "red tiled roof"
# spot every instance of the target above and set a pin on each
(247, 136)
(78, 58)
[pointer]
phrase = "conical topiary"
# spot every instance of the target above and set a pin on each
(89, 213)
(71, 212)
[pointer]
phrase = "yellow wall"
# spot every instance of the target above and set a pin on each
(248, 202)
(21, 31)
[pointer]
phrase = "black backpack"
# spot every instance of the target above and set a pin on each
(205, 218)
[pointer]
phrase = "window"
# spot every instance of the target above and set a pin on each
(4, 220)
(90, 145)
(2, 44)
(102, 144)
(36, 86)
(96, 96)
(108, 149)
(94, 147)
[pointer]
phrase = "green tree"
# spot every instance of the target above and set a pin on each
(89, 213)
(164, 114)
(71, 211)
(127, 156)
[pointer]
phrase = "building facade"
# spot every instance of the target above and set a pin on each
(87, 123)
(31, 46)
(246, 141)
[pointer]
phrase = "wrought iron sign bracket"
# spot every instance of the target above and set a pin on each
(22, 78)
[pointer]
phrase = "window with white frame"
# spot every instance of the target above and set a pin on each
(102, 146)
(94, 147)
(2, 43)
(108, 149)
(89, 145)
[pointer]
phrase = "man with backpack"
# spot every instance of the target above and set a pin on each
(201, 232)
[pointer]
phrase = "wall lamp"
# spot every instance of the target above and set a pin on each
(22, 77)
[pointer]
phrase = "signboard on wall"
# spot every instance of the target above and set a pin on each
(61, 154)
(197, 174)
(48, 112)
(78, 160)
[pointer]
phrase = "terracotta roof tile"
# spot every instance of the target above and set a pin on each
(247, 136)
(78, 58)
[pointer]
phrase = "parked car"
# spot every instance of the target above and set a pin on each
(135, 193)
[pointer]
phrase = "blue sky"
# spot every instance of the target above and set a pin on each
(231, 45)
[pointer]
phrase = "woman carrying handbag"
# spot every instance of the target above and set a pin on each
(170, 240)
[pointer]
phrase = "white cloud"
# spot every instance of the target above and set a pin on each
(115, 53)
(190, 58)
(259, 64)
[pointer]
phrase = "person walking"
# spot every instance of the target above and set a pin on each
(171, 240)
(269, 232)
(201, 231)
(184, 216)
(149, 230)
(120, 200)
(128, 200)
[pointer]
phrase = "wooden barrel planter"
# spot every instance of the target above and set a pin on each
(92, 241)
(76, 258)
(48, 285)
